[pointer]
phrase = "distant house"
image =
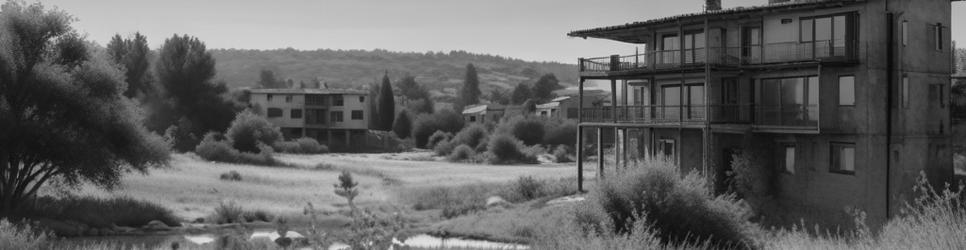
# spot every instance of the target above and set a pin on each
(483, 112)
(331, 116)
(844, 99)
(567, 107)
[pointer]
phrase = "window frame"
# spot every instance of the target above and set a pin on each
(836, 151)
(293, 112)
(905, 32)
(852, 104)
(277, 112)
(338, 100)
(336, 116)
(938, 35)
(288, 98)
(352, 115)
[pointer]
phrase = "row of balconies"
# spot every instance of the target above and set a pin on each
(772, 53)
(799, 116)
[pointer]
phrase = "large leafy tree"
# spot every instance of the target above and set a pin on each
(521, 94)
(63, 113)
(135, 56)
(544, 87)
(197, 105)
(387, 104)
(269, 80)
(470, 93)
(418, 99)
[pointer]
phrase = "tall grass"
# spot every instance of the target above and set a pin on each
(467, 198)
(21, 237)
(100, 212)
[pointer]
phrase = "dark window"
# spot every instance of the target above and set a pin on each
(269, 97)
(274, 112)
(315, 116)
(315, 100)
(296, 114)
(357, 115)
(337, 100)
(938, 34)
(667, 148)
(751, 49)
(828, 36)
(936, 95)
(472, 118)
(362, 98)
(336, 116)
(288, 98)
(846, 90)
(843, 158)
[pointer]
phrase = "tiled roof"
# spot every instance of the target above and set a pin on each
(474, 109)
(309, 91)
(737, 10)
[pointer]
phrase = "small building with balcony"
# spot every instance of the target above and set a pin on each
(335, 117)
(843, 99)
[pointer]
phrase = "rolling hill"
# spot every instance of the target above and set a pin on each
(442, 73)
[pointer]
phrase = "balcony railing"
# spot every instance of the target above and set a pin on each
(730, 56)
(797, 116)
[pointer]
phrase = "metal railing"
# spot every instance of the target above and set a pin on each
(730, 56)
(778, 116)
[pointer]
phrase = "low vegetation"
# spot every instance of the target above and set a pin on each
(99, 212)
(230, 212)
(463, 199)
(215, 147)
(230, 176)
(426, 125)
(302, 145)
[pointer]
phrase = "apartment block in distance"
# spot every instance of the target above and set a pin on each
(848, 100)
(335, 117)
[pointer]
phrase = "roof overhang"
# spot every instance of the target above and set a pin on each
(640, 32)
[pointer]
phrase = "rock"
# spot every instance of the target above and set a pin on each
(156, 225)
(496, 201)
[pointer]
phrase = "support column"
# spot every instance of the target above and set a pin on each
(348, 137)
(624, 147)
(614, 113)
(328, 137)
(600, 152)
(580, 134)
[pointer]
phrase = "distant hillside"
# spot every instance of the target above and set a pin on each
(440, 72)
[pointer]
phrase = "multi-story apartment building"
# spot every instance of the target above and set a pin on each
(331, 116)
(848, 99)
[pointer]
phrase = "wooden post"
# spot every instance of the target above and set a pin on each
(580, 135)
(613, 104)
(600, 152)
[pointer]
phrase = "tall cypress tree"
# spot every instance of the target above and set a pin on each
(470, 94)
(387, 104)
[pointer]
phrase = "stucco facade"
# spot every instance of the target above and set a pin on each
(333, 117)
(845, 96)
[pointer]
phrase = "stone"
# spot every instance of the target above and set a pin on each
(496, 201)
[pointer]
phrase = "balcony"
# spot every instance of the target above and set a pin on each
(773, 53)
(765, 117)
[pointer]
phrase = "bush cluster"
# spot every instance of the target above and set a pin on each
(250, 130)
(438, 137)
(505, 149)
(100, 212)
(230, 176)
(474, 137)
(216, 148)
(304, 145)
(426, 125)
(231, 212)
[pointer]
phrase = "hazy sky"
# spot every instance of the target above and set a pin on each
(526, 29)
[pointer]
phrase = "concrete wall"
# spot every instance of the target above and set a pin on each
(278, 101)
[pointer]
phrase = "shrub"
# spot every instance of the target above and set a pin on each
(248, 130)
(472, 136)
(445, 148)
(403, 125)
(561, 133)
(437, 138)
(753, 179)
(228, 212)
(563, 154)
(679, 209)
(528, 187)
(461, 153)
(504, 149)
(304, 145)
(215, 148)
(528, 129)
(427, 124)
(100, 212)
(230, 176)
(21, 237)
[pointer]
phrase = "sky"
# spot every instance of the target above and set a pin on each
(532, 30)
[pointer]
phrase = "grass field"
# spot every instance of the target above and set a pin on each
(192, 189)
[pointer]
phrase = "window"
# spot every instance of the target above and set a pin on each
(315, 116)
(936, 95)
(905, 32)
(269, 97)
(336, 116)
(788, 101)
(337, 100)
(288, 98)
(357, 115)
(671, 101)
(751, 49)
(938, 34)
(694, 47)
(296, 114)
(274, 112)
(670, 47)
(362, 98)
(789, 164)
(828, 35)
(315, 100)
(472, 118)
(843, 158)
(695, 101)
(667, 148)
(905, 91)
(847, 91)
